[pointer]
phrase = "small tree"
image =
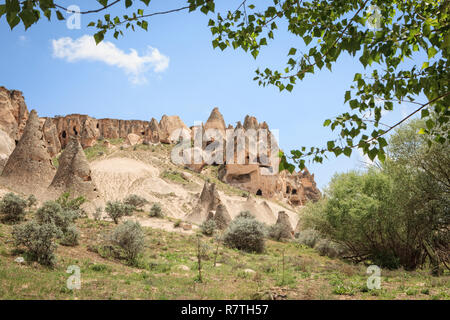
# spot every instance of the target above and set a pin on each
(12, 207)
(117, 210)
(245, 233)
(156, 211)
(130, 238)
(136, 201)
(39, 239)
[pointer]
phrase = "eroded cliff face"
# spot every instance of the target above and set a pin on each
(251, 175)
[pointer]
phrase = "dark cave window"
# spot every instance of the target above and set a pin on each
(259, 192)
(64, 135)
(294, 191)
(75, 131)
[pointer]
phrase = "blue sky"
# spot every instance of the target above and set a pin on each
(196, 79)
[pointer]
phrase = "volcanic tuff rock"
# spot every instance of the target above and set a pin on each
(287, 232)
(222, 218)
(296, 188)
(208, 201)
(74, 173)
(29, 167)
(216, 121)
(168, 125)
(13, 113)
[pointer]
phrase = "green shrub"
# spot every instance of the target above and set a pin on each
(136, 201)
(208, 227)
(52, 212)
(31, 201)
(117, 210)
(245, 233)
(156, 211)
(329, 248)
(12, 208)
(277, 232)
(98, 213)
(177, 223)
(71, 236)
(129, 237)
(39, 239)
(74, 204)
(308, 237)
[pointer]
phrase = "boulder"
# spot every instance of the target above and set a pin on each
(133, 139)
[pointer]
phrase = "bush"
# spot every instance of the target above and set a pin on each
(156, 211)
(98, 213)
(308, 237)
(12, 207)
(71, 236)
(52, 212)
(129, 237)
(31, 201)
(208, 227)
(245, 233)
(74, 204)
(278, 233)
(117, 210)
(39, 239)
(135, 201)
(329, 248)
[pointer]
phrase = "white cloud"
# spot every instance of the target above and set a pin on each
(134, 65)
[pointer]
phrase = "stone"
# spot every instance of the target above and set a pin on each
(19, 260)
(29, 167)
(184, 268)
(133, 139)
(250, 271)
(186, 176)
(74, 173)
(186, 226)
(13, 113)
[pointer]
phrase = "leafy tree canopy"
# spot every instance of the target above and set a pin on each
(382, 35)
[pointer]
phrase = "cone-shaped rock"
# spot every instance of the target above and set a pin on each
(74, 173)
(222, 218)
(153, 134)
(250, 123)
(287, 232)
(209, 200)
(29, 168)
(215, 121)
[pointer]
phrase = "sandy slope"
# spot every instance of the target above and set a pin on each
(118, 177)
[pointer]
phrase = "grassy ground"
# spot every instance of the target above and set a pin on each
(160, 275)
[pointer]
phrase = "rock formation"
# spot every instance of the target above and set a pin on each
(29, 167)
(216, 121)
(168, 125)
(74, 173)
(13, 113)
(250, 175)
(284, 225)
(153, 133)
(222, 218)
(209, 201)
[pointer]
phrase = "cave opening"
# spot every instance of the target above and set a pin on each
(75, 131)
(259, 192)
(64, 134)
